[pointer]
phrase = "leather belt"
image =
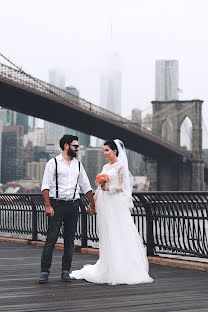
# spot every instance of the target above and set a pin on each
(62, 201)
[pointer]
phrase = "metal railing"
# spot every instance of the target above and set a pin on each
(174, 223)
(63, 96)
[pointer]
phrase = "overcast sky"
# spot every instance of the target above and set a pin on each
(74, 36)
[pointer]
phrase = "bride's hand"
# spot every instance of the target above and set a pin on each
(90, 209)
(104, 187)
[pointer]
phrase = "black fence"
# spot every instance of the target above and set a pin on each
(174, 223)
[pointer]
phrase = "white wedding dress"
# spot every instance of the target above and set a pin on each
(122, 258)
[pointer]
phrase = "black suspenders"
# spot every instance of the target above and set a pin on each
(57, 179)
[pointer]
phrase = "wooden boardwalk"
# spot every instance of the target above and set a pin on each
(172, 290)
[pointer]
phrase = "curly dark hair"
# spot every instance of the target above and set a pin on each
(67, 138)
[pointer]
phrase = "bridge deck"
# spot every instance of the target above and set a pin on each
(172, 289)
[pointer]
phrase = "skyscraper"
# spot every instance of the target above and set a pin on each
(12, 154)
(110, 86)
(57, 78)
(54, 131)
(84, 139)
(166, 80)
(72, 90)
(22, 120)
(7, 118)
(93, 162)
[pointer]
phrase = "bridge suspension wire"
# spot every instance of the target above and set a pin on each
(163, 118)
(76, 99)
(40, 83)
(33, 78)
(204, 127)
(61, 94)
(153, 115)
(189, 132)
(173, 115)
(203, 122)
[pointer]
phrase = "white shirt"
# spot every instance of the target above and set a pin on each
(67, 178)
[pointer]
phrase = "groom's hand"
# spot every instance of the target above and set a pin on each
(49, 211)
(91, 209)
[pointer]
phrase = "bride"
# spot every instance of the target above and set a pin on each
(122, 256)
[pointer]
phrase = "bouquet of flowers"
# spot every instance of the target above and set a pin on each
(102, 179)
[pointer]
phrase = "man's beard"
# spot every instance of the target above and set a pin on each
(71, 153)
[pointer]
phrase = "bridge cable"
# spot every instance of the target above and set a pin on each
(163, 118)
(57, 95)
(35, 79)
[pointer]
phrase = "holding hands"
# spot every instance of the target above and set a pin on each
(91, 209)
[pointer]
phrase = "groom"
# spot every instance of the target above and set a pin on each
(60, 189)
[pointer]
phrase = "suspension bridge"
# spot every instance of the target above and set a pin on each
(24, 93)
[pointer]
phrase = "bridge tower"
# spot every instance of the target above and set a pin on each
(178, 174)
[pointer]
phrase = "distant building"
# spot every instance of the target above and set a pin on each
(22, 120)
(54, 131)
(110, 86)
(12, 154)
(52, 148)
(84, 139)
(166, 80)
(28, 153)
(136, 115)
(35, 170)
(6, 119)
(35, 135)
(136, 161)
(93, 163)
(40, 153)
(147, 122)
(137, 165)
(57, 78)
(72, 90)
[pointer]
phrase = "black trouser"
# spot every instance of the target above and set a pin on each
(66, 212)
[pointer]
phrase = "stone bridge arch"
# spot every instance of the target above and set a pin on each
(186, 133)
(178, 175)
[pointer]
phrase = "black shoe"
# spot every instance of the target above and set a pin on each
(43, 277)
(65, 276)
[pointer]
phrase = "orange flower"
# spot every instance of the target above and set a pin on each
(102, 178)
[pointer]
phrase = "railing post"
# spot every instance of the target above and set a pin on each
(149, 224)
(34, 221)
(83, 225)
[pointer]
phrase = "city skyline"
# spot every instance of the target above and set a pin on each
(140, 33)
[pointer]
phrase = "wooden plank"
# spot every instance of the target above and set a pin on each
(172, 290)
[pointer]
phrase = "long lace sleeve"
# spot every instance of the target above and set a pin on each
(119, 187)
